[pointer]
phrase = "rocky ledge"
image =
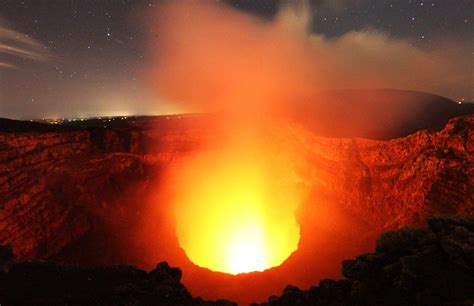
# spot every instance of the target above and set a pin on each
(42, 283)
(434, 266)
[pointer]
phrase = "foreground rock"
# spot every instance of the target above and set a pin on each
(40, 283)
(409, 267)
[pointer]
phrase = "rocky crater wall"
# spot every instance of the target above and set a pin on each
(52, 182)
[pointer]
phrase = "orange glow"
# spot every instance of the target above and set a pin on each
(237, 214)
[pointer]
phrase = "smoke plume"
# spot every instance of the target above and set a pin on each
(211, 57)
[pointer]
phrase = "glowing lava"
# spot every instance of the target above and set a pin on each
(237, 215)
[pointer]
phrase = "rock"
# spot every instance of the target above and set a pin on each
(6, 256)
(422, 272)
(409, 267)
(42, 283)
(164, 272)
(56, 181)
(400, 242)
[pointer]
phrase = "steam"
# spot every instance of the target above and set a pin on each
(210, 57)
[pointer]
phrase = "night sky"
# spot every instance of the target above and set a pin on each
(77, 58)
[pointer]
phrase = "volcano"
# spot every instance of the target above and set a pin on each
(97, 192)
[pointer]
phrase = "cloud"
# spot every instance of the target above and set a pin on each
(14, 44)
(212, 57)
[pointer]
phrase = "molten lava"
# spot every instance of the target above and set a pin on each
(237, 214)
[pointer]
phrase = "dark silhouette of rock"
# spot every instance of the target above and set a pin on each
(6, 257)
(433, 266)
(377, 113)
(42, 283)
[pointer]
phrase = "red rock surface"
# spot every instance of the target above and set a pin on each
(401, 181)
(51, 183)
(59, 186)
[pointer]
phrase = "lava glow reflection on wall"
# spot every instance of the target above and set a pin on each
(237, 214)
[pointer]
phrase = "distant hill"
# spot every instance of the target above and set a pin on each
(368, 113)
(378, 113)
(65, 125)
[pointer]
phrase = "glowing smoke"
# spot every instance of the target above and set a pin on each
(209, 57)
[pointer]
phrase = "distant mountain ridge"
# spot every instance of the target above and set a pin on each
(378, 113)
(365, 113)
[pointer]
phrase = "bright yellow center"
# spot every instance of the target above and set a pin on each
(235, 216)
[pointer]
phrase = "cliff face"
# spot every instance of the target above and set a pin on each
(51, 183)
(401, 181)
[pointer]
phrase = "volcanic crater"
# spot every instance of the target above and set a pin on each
(95, 192)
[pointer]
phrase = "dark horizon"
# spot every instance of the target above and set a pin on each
(191, 113)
